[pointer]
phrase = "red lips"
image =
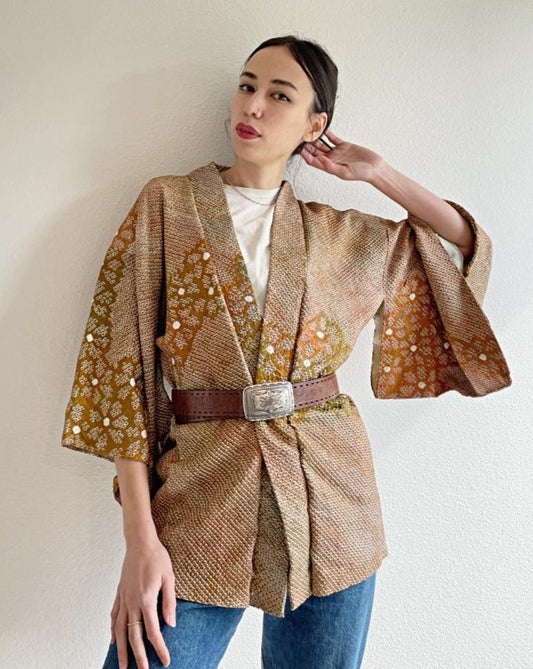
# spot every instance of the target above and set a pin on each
(247, 129)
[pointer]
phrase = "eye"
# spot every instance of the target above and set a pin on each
(243, 87)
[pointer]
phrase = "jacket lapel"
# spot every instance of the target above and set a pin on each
(285, 289)
(266, 341)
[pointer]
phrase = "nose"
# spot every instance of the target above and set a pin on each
(253, 105)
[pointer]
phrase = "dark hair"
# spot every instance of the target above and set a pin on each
(319, 67)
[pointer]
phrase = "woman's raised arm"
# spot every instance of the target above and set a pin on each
(354, 162)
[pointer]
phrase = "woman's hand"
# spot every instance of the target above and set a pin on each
(146, 570)
(347, 161)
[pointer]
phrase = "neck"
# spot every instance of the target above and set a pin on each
(251, 175)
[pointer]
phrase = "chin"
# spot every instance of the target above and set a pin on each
(248, 153)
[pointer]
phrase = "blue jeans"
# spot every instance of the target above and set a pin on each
(322, 633)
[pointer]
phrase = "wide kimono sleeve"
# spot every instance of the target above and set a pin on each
(118, 405)
(431, 334)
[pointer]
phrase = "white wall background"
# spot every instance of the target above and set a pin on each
(96, 98)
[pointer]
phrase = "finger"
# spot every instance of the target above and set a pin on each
(337, 169)
(328, 165)
(122, 640)
(136, 641)
(114, 613)
(322, 147)
(153, 632)
(306, 154)
(316, 150)
(169, 600)
(312, 160)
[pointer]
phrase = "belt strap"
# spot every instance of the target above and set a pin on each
(261, 401)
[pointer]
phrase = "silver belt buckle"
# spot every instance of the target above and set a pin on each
(263, 401)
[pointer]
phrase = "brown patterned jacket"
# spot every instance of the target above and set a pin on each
(251, 511)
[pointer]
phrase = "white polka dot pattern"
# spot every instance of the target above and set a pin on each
(106, 411)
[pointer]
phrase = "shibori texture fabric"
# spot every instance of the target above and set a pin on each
(251, 512)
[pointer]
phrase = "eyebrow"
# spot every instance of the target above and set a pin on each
(280, 82)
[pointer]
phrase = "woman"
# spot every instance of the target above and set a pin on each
(254, 484)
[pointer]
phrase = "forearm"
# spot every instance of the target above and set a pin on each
(138, 522)
(422, 203)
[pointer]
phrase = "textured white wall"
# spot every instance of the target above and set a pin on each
(95, 99)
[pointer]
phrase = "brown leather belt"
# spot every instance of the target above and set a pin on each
(261, 401)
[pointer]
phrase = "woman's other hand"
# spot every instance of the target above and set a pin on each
(345, 160)
(146, 570)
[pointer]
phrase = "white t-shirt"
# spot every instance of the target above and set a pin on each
(252, 223)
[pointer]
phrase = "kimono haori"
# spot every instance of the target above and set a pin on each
(251, 511)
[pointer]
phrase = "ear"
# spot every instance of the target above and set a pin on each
(319, 122)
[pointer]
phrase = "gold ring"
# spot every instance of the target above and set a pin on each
(136, 622)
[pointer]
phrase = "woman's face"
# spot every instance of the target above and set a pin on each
(277, 111)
